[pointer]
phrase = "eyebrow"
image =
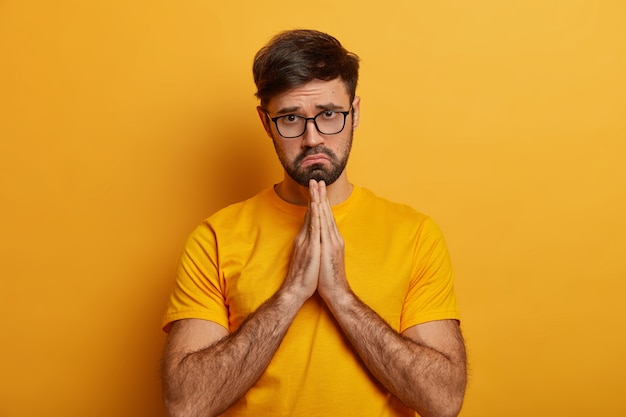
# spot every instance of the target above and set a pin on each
(294, 109)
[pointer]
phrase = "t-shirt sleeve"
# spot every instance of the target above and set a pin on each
(431, 290)
(198, 291)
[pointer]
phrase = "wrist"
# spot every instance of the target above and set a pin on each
(338, 298)
(292, 295)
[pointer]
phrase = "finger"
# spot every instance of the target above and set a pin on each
(314, 208)
(327, 233)
(328, 216)
(324, 233)
(314, 191)
(322, 191)
(314, 222)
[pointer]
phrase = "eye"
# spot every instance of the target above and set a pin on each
(291, 118)
(329, 114)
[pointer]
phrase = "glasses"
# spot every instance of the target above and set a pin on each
(328, 122)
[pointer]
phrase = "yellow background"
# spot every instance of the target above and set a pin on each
(125, 123)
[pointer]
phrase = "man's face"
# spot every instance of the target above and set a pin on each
(313, 155)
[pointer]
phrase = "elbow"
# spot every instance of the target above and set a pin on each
(175, 408)
(176, 404)
(442, 410)
(173, 400)
(185, 407)
(180, 410)
(447, 405)
(452, 396)
(451, 409)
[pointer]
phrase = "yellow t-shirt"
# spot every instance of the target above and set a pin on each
(396, 262)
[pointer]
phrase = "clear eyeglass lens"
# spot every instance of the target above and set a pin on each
(291, 125)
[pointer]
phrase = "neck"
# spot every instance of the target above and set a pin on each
(294, 193)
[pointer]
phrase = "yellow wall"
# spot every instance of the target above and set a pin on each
(123, 124)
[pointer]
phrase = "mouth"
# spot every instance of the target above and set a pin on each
(314, 159)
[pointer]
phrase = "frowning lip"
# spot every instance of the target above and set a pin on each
(315, 159)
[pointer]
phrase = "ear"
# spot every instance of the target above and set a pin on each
(356, 112)
(265, 120)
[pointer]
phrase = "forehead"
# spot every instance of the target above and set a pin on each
(315, 92)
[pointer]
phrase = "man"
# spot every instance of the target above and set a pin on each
(315, 297)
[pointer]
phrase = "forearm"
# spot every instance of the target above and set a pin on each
(423, 378)
(208, 381)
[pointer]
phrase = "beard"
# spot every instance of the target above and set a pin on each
(317, 172)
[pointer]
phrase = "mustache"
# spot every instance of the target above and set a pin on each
(315, 151)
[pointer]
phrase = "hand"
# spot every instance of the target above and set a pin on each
(332, 278)
(304, 267)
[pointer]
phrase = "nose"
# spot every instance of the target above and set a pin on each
(311, 137)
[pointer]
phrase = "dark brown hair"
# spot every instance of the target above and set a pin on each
(295, 57)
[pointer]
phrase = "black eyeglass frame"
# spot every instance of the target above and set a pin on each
(306, 122)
